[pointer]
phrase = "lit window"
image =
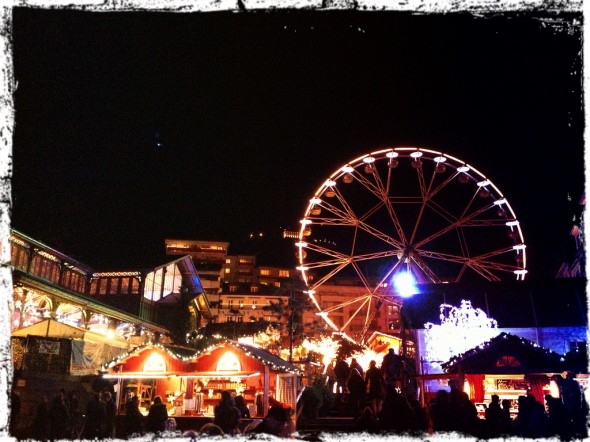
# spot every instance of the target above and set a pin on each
(227, 270)
(228, 362)
(264, 272)
(284, 273)
(254, 289)
(233, 288)
(155, 363)
(227, 260)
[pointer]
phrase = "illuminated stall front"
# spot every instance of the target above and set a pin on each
(508, 366)
(190, 382)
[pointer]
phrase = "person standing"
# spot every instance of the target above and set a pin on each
(355, 364)
(341, 369)
(356, 389)
(375, 387)
(242, 406)
(59, 418)
(227, 415)
(95, 417)
(133, 418)
(391, 366)
(157, 416)
(41, 421)
(110, 414)
(494, 417)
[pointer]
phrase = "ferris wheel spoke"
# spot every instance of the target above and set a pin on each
(484, 271)
(357, 311)
(430, 274)
(467, 221)
(376, 189)
(362, 299)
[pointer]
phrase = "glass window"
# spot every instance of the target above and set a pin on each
(114, 287)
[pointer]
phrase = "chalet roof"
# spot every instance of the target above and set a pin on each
(185, 354)
(506, 353)
(264, 356)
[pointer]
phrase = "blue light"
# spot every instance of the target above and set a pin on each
(405, 284)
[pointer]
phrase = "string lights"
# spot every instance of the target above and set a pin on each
(460, 329)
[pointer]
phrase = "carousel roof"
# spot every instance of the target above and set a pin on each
(506, 353)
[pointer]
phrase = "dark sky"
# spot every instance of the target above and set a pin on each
(132, 127)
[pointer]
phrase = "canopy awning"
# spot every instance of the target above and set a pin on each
(50, 328)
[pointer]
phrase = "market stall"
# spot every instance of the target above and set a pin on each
(509, 366)
(190, 382)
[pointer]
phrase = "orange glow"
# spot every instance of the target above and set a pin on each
(228, 362)
(155, 364)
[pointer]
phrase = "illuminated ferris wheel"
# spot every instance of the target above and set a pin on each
(405, 210)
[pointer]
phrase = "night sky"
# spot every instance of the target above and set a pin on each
(133, 127)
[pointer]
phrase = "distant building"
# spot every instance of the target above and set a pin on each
(208, 258)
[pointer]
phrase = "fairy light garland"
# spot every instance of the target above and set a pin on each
(282, 367)
(455, 359)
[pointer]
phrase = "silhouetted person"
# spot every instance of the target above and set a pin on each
(227, 415)
(420, 414)
(110, 415)
(341, 369)
(494, 417)
(375, 387)
(277, 422)
(440, 412)
(468, 421)
(76, 416)
(356, 390)
(538, 420)
(41, 421)
(211, 429)
(157, 416)
(331, 375)
(506, 418)
(242, 406)
(396, 415)
(134, 420)
(59, 417)
(574, 403)
(522, 418)
(558, 424)
(367, 422)
(391, 367)
(95, 417)
(355, 364)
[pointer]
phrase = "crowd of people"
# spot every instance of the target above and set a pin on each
(373, 396)
(378, 404)
(62, 417)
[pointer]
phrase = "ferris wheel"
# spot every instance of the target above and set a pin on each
(407, 210)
